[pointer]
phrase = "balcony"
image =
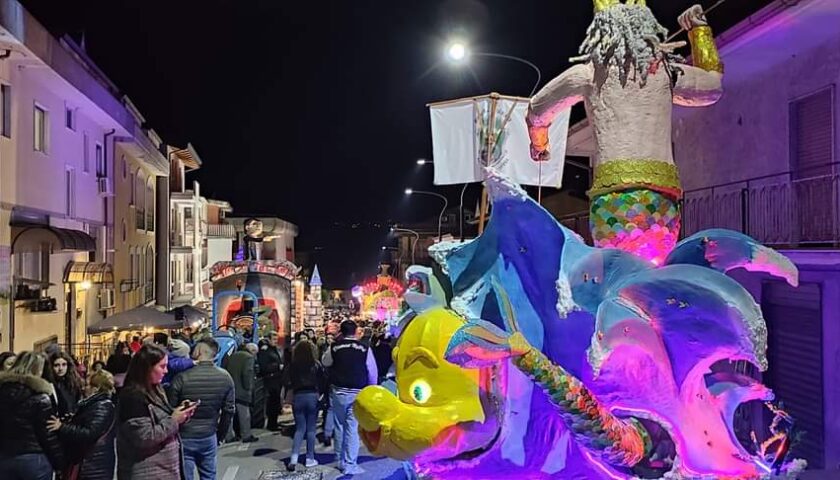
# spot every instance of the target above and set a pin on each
(148, 292)
(140, 219)
(221, 231)
(150, 221)
(784, 210)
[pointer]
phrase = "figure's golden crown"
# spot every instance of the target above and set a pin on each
(601, 5)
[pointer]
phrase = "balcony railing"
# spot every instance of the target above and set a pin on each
(140, 219)
(221, 231)
(150, 220)
(148, 292)
(786, 210)
(783, 210)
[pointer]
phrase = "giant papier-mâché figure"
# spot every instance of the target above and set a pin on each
(628, 79)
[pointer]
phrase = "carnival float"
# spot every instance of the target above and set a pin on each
(554, 359)
(380, 298)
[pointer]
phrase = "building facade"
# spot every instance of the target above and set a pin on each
(189, 269)
(138, 164)
(60, 116)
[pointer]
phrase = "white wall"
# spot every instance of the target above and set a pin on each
(219, 250)
(745, 135)
(42, 174)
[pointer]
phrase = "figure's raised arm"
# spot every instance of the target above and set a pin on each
(565, 90)
(699, 85)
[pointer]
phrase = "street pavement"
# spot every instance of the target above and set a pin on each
(267, 459)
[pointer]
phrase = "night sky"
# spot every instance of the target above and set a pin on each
(314, 111)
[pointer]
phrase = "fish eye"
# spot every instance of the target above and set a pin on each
(420, 391)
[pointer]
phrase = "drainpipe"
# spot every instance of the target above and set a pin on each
(108, 203)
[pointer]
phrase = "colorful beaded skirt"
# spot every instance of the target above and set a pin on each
(637, 220)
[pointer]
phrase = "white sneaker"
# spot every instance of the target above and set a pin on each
(353, 470)
(311, 462)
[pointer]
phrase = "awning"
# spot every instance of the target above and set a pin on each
(136, 319)
(92, 272)
(32, 239)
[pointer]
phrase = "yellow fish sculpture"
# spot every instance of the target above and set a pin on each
(439, 413)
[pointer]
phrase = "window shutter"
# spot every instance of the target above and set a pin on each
(812, 134)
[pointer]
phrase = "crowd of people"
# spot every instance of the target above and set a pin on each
(160, 406)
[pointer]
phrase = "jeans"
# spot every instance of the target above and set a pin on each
(243, 416)
(201, 453)
(273, 405)
(342, 404)
(329, 422)
(28, 466)
(305, 408)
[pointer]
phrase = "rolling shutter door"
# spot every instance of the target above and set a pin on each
(795, 354)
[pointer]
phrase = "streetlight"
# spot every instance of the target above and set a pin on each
(423, 161)
(458, 52)
(395, 229)
(409, 191)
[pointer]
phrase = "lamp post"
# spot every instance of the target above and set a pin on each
(409, 191)
(458, 52)
(413, 244)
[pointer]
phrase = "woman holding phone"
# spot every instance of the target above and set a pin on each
(148, 444)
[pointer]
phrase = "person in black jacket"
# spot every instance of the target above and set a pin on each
(304, 376)
(270, 360)
(28, 450)
(117, 363)
(67, 382)
(88, 438)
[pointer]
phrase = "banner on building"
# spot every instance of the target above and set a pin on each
(460, 142)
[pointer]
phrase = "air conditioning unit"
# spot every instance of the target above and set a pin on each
(105, 187)
(106, 298)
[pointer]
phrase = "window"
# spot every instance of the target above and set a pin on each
(40, 129)
(124, 166)
(150, 274)
(140, 197)
(6, 104)
(131, 255)
(141, 267)
(100, 161)
(135, 276)
(812, 134)
(70, 118)
(131, 189)
(123, 230)
(188, 268)
(85, 153)
(150, 205)
(34, 266)
(70, 192)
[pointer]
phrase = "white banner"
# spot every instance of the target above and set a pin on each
(459, 143)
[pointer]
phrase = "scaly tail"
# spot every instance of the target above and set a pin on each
(619, 442)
